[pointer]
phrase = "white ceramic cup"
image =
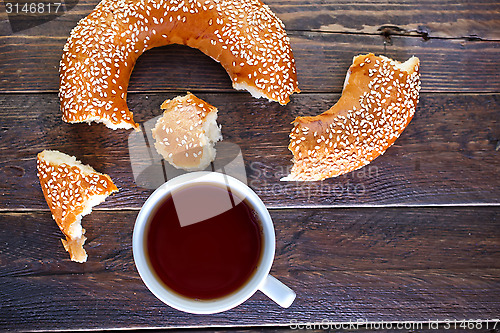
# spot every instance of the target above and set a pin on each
(260, 280)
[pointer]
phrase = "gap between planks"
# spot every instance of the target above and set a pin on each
(276, 208)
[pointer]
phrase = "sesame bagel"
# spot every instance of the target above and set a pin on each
(245, 36)
(71, 189)
(186, 133)
(377, 103)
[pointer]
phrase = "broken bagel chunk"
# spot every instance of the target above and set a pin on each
(186, 133)
(71, 189)
(377, 103)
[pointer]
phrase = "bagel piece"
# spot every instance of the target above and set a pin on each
(187, 132)
(71, 189)
(377, 103)
(245, 36)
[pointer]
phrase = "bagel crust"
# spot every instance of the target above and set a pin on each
(187, 132)
(71, 189)
(377, 103)
(245, 36)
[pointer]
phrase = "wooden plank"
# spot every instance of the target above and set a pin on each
(30, 64)
(442, 19)
(402, 264)
(447, 155)
(429, 19)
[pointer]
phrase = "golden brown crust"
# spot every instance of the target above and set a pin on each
(377, 103)
(181, 133)
(198, 107)
(71, 189)
(244, 36)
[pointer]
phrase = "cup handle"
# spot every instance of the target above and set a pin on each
(277, 291)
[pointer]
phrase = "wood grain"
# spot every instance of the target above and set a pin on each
(345, 264)
(430, 19)
(366, 246)
(446, 155)
(30, 64)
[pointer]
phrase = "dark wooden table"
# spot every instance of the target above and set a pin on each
(415, 236)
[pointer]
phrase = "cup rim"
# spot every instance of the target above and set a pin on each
(176, 300)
